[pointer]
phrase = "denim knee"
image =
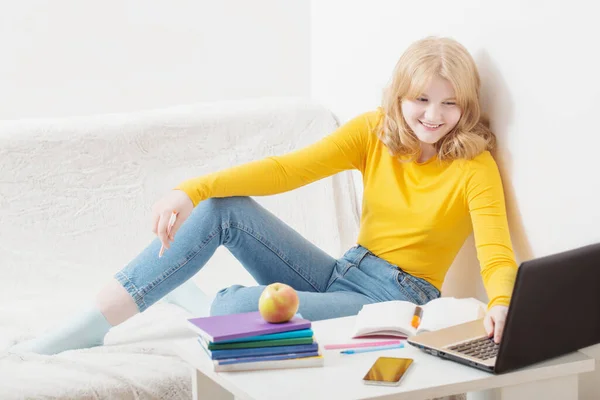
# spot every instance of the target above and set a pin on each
(218, 213)
(230, 301)
(220, 204)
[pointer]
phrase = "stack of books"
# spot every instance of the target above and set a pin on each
(244, 342)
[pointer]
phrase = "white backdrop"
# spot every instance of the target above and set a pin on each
(68, 57)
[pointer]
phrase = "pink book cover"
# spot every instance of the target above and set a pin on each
(225, 327)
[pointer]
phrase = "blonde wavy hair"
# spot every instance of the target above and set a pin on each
(423, 59)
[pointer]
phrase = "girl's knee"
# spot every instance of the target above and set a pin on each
(232, 300)
(220, 210)
(226, 203)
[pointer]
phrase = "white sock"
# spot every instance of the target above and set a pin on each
(190, 297)
(82, 330)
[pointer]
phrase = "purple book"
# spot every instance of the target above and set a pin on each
(226, 327)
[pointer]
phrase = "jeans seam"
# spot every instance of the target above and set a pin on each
(356, 260)
(402, 279)
(166, 274)
(347, 265)
(414, 288)
(419, 292)
(429, 290)
(278, 253)
(148, 288)
(347, 268)
(136, 294)
(402, 288)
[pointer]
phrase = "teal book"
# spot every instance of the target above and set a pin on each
(257, 343)
(259, 351)
(302, 333)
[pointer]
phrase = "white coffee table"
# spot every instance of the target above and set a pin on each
(341, 377)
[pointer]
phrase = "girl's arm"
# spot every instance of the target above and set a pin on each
(342, 150)
(485, 197)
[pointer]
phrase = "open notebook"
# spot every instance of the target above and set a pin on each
(393, 318)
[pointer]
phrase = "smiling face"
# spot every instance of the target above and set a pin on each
(432, 114)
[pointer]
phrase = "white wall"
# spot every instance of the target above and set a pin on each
(70, 57)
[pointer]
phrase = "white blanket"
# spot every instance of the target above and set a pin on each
(75, 196)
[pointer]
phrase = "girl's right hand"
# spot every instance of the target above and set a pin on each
(175, 200)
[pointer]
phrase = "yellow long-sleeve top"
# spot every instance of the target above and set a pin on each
(414, 215)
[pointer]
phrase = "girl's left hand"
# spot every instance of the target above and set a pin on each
(494, 322)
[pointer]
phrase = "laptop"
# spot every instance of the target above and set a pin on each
(554, 310)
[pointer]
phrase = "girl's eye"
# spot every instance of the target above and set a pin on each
(421, 99)
(450, 103)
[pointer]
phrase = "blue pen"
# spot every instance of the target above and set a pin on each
(367, 349)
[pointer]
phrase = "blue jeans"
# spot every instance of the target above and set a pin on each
(271, 251)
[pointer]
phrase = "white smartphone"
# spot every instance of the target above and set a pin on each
(387, 371)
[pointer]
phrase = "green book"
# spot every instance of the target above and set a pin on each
(258, 343)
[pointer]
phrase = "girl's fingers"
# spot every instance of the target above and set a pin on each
(488, 324)
(498, 330)
(175, 227)
(162, 229)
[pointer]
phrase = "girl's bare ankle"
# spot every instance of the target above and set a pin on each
(115, 303)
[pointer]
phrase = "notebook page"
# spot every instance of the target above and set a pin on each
(449, 311)
(385, 316)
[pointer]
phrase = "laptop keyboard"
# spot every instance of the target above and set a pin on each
(484, 348)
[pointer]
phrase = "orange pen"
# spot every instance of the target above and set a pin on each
(416, 319)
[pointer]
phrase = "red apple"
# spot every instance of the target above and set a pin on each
(278, 303)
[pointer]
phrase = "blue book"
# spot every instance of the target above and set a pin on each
(258, 351)
(273, 357)
(312, 360)
(282, 335)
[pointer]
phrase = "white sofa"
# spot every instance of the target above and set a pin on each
(75, 196)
